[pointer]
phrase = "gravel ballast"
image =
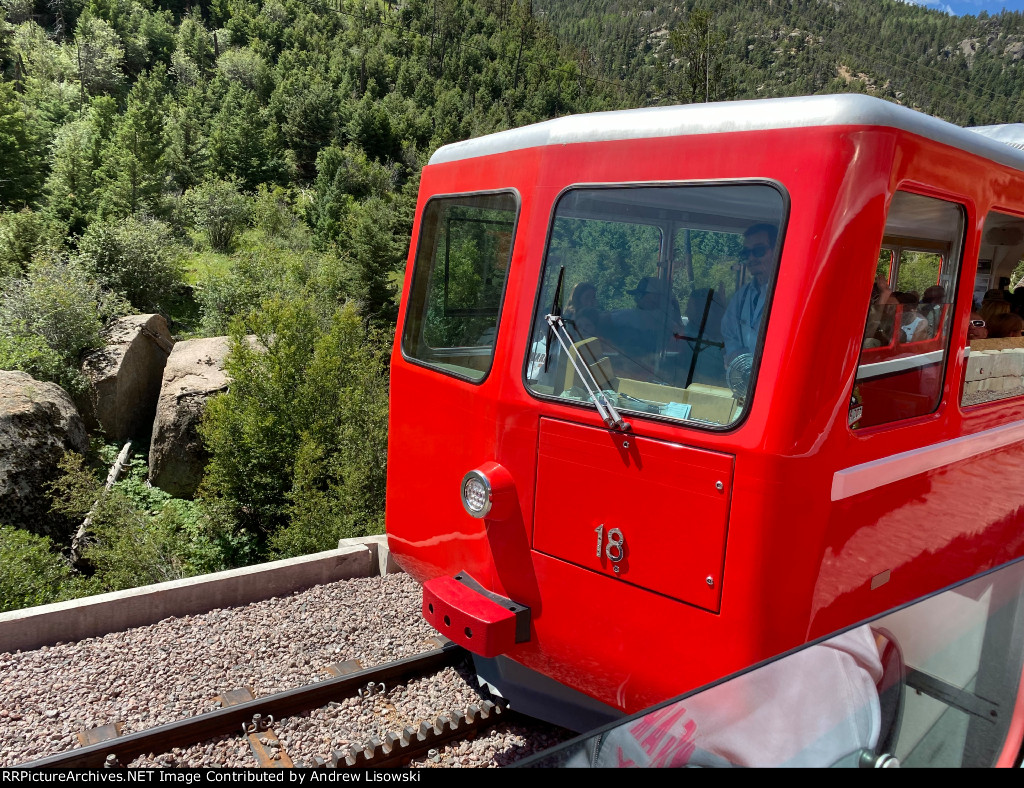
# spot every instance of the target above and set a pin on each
(174, 669)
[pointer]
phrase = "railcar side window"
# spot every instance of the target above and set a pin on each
(662, 294)
(462, 261)
(994, 368)
(910, 316)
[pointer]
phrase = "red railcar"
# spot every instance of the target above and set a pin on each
(667, 397)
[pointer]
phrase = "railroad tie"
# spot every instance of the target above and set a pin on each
(103, 733)
(264, 743)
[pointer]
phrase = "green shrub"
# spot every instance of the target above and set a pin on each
(21, 234)
(219, 210)
(299, 441)
(262, 271)
(31, 354)
(135, 258)
(139, 535)
(276, 218)
(223, 297)
(59, 302)
(32, 573)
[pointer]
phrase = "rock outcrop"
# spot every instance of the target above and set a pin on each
(38, 423)
(194, 373)
(125, 377)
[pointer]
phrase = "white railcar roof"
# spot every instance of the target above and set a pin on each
(844, 109)
(1009, 133)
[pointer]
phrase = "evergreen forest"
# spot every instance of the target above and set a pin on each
(250, 167)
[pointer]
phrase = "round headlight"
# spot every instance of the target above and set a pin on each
(476, 494)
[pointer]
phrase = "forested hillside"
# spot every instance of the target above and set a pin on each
(249, 167)
(245, 167)
(965, 69)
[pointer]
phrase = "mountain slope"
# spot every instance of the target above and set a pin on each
(965, 69)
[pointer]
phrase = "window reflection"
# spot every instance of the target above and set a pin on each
(994, 368)
(462, 260)
(933, 684)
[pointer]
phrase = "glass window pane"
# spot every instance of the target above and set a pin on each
(663, 295)
(461, 267)
(933, 684)
(884, 267)
(906, 336)
(995, 364)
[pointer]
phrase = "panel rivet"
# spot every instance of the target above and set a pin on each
(625, 444)
(710, 581)
(719, 486)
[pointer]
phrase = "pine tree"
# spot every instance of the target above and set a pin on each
(20, 152)
(132, 167)
(243, 143)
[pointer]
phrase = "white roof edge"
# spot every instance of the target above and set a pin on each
(844, 109)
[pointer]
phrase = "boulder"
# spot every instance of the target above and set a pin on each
(125, 375)
(38, 423)
(194, 373)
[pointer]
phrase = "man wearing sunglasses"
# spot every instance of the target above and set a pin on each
(742, 319)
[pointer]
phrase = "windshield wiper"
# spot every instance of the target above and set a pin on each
(556, 309)
(605, 408)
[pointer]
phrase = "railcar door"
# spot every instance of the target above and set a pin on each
(444, 386)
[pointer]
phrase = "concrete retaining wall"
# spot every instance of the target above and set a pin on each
(994, 370)
(98, 615)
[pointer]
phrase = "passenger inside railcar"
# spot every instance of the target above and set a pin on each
(640, 334)
(913, 325)
(878, 331)
(582, 313)
(741, 323)
(976, 327)
(1005, 325)
(931, 307)
(994, 304)
(1017, 301)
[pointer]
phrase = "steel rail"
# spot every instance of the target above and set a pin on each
(208, 725)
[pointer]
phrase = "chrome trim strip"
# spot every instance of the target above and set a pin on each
(879, 368)
(877, 473)
(752, 115)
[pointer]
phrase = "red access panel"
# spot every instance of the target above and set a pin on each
(647, 512)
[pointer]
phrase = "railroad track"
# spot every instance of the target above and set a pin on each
(254, 718)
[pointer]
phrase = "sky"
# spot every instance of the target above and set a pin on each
(973, 7)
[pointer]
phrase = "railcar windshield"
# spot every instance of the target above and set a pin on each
(664, 292)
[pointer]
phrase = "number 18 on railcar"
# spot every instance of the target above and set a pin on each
(678, 389)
